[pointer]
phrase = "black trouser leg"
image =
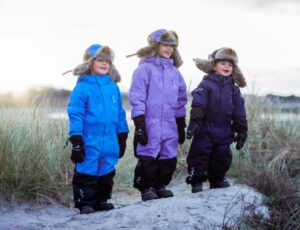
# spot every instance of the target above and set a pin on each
(145, 173)
(104, 186)
(166, 169)
(84, 190)
(220, 162)
(198, 163)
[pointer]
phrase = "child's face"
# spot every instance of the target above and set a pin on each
(100, 67)
(165, 51)
(223, 68)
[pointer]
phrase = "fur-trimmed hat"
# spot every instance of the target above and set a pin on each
(228, 54)
(157, 37)
(98, 52)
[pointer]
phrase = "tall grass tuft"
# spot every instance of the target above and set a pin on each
(33, 161)
(270, 162)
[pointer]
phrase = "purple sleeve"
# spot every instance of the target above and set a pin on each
(182, 98)
(238, 104)
(138, 91)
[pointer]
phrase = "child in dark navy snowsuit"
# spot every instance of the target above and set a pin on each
(218, 118)
(98, 129)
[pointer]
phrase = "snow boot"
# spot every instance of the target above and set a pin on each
(104, 206)
(219, 184)
(149, 194)
(86, 210)
(162, 192)
(197, 188)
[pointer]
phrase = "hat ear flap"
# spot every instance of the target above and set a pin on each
(147, 51)
(83, 68)
(238, 77)
(207, 66)
(114, 73)
(176, 58)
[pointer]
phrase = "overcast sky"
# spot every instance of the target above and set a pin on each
(41, 39)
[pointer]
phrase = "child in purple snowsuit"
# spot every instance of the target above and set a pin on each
(218, 118)
(158, 98)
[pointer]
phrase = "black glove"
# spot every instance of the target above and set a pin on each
(197, 114)
(240, 126)
(180, 121)
(140, 130)
(240, 140)
(77, 155)
(122, 137)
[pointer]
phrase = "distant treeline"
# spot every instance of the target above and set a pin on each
(41, 97)
(51, 97)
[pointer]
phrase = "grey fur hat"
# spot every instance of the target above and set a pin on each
(98, 52)
(157, 37)
(224, 53)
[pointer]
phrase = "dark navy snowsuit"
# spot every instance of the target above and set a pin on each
(210, 155)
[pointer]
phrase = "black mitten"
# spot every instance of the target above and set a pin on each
(240, 140)
(240, 126)
(77, 155)
(122, 137)
(197, 114)
(180, 121)
(140, 130)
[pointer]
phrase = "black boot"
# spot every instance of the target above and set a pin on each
(219, 184)
(197, 187)
(104, 206)
(149, 194)
(86, 210)
(162, 192)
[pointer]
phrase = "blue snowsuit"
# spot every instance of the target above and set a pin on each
(210, 156)
(95, 113)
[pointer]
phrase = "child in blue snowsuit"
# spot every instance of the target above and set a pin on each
(217, 118)
(98, 129)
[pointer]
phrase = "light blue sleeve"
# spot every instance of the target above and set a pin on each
(76, 110)
(122, 126)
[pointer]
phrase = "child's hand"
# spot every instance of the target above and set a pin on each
(140, 130)
(122, 137)
(180, 121)
(240, 140)
(77, 155)
(192, 128)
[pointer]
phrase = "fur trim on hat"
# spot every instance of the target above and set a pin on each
(168, 37)
(225, 54)
(207, 65)
(148, 51)
(105, 53)
(114, 73)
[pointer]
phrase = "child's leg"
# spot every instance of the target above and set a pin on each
(166, 169)
(220, 164)
(84, 190)
(104, 190)
(145, 176)
(198, 160)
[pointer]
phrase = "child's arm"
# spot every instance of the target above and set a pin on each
(122, 126)
(138, 95)
(138, 91)
(199, 104)
(76, 110)
(182, 98)
(240, 124)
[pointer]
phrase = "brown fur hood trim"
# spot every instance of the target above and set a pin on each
(164, 37)
(206, 65)
(104, 53)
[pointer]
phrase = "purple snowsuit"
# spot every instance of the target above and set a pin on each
(158, 91)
